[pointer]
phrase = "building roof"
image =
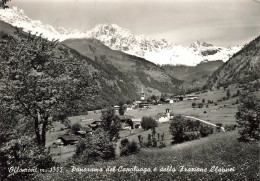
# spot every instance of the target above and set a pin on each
(159, 115)
(68, 138)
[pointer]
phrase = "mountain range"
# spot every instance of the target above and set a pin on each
(121, 76)
(157, 51)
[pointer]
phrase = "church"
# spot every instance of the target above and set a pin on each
(143, 102)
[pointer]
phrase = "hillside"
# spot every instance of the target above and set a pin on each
(193, 76)
(138, 71)
(112, 88)
(121, 76)
(221, 157)
(242, 67)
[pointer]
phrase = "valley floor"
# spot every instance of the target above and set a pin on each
(217, 157)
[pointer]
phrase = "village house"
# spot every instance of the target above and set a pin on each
(164, 117)
(68, 139)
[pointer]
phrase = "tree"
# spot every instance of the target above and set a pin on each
(93, 148)
(75, 128)
(121, 108)
(248, 117)
(228, 93)
(3, 3)
(193, 104)
(22, 152)
(200, 105)
(238, 92)
(148, 123)
(177, 129)
(37, 86)
(111, 123)
(203, 100)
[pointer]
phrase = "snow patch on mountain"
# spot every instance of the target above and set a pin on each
(117, 38)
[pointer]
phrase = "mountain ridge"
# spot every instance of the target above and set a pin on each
(117, 38)
(242, 67)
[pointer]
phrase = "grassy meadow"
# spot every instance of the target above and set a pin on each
(217, 157)
(223, 113)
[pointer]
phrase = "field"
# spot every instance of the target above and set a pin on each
(223, 113)
(217, 157)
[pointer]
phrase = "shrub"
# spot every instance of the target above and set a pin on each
(133, 148)
(188, 136)
(75, 128)
(193, 104)
(127, 147)
(148, 123)
(200, 105)
(205, 130)
(22, 152)
(230, 127)
(93, 148)
(124, 147)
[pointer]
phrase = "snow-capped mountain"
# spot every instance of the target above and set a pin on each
(117, 38)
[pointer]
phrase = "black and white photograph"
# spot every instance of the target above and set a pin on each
(115, 90)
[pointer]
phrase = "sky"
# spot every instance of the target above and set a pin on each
(220, 22)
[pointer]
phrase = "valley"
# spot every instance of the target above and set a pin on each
(109, 104)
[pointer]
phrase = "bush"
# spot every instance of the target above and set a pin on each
(127, 148)
(133, 148)
(75, 128)
(22, 152)
(200, 105)
(193, 104)
(191, 135)
(186, 130)
(148, 123)
(205, 130)
(94, 148)
(230, 127)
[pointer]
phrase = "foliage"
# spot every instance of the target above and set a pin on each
(148, 123)
(3, 3)
(205, 130)
(177, 129)
(22, 152)
(183, 129)
(220, 150)
(248, 117)
(230, 127)
(111, 123)
(37, 86)
(203, 100)
(193, 104)
(93, 148)
(228, 94)
(75, 128)
(127, 148)
(200, 105)
(121, 108)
